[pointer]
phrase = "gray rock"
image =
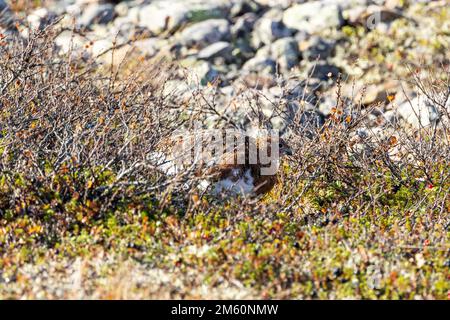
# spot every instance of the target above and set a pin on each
(121, 9)
(97, 13)
(323, 71)
(243, 25)
(6, 16)
(219, 49)
(390, 117)
(200, 72)
(162, 16)
(148, 47)
(269, 28)
(242, 51)
(285, 52)
(317, 47)
(260, 64)
(307, 120)
(326, 104)
(370, 16)
(178, 90)
(241, 7)
(40, 18)
(205, 33)
(313, 16)
(418, 112)
(275, 3)
(311, 122)
(134, 14)
(69, 42)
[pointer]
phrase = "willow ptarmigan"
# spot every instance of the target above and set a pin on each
(249, 167)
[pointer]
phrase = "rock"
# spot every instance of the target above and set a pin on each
(326, 104)
(40, 18)
(241, 7)
(394, 4)
(370, 16)
(162, 16)
(274, 3)
(68, 41)
(201, 72)
(269, 28)
(390, 117)
(148, 47)
(285, 52)
(121, 9)
(316, 48)
(97, 13)
(168, 16)
(260, 64)
(298, 90)
(418, 112)
(243, 25)
(134, 14)
(242, 50)
(323, 71)
(309, 122)
(254, 80)
(219, 49)
(372, 95)
(6, 16)
(103, 51)
(205, 33)
(313, 16)
(178, 90)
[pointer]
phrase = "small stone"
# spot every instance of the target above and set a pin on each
(269, 28)
(241, 7)
(323, 71)
(418, 112)
(40, 18)
(260, 64)
(201, 72)
(206, 32)
(148, 47)
(121, 9)
(219, 49)
(97, 13)
(243, 25)
(317, 48)
(163, 16)
(67, 41)
(313, 16)
(285, 52)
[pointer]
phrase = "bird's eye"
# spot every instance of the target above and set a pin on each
(280, 145)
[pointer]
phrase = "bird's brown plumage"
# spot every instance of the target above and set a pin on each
(227, 167)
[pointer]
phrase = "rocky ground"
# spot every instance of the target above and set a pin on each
(374, 227)
(263, 44)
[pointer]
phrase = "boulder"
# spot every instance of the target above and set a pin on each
(418, 112)
(98, 13)
(285, 52)
(313, 16)
(219, 49)
(205, 33)
(269, 28)
(260, 65)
